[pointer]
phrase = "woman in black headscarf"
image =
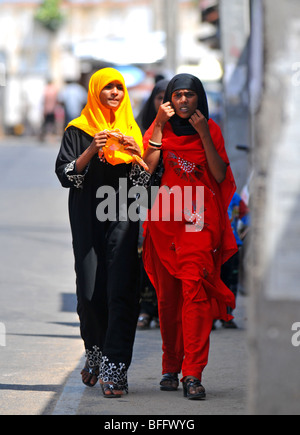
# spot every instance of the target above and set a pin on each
(150, 108)
(182, 126)
(148, 310)
(183, 257)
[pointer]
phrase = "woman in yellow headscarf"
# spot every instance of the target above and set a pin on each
(98, 150)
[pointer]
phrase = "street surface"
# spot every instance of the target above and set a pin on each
(41, 353)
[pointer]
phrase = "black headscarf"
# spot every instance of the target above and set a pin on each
(182, 127)
(148, 112)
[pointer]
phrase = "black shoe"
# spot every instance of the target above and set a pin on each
(229, 325)
(193, 389)
(169, 382)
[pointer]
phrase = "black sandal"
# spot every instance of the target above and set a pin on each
(144, 321)
(111, 388)
(193, 389)
(93, 373)
(169, 382)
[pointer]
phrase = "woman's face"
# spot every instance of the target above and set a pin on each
(185, 103)
(158, 100)
(112, 95)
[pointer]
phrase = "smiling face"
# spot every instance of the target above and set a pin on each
(112, 95)
(185, 103)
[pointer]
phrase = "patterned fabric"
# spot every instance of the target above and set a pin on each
(93, 356)
(108, 371)
(117, 374)
(139, 177)
(71, 174)
(189, 171)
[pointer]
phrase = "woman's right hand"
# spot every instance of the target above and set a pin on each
(165, 112)
(97, 144)
(99, 141)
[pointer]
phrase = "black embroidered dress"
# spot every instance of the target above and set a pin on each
(106, 262)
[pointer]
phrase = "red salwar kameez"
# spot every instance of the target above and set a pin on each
(183, 257)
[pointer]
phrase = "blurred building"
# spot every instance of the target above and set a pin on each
(143, 38)
(261, 95)
(274, 309)
(155, 36)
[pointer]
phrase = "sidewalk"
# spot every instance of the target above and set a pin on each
(225, 380)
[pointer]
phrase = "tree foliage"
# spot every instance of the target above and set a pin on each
(49, 14)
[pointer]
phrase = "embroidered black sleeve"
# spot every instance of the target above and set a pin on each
(74, 178)
(139, 177)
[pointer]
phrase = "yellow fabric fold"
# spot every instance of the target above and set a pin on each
(95, 117)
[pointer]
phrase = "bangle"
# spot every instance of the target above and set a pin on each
(154, 148)
(154, 144)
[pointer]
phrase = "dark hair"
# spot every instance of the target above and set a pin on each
(148, 112)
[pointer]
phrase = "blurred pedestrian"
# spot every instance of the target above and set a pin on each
(183, 257)
(106, 262)
(237, 211)
(149, 307)
(49, 107)
(151, 106)
(73, 97)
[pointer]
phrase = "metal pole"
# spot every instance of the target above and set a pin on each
(171, 28)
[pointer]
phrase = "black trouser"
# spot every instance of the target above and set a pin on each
(230, 274)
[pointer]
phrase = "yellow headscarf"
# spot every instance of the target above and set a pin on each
(95, 117)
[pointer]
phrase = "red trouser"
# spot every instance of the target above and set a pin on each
(185, 321)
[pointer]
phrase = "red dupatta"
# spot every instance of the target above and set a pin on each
(196, 255)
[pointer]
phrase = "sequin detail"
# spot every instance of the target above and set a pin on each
(71, 174)
(196, 219)
(115, 373)
(93, 356)
(186, 170)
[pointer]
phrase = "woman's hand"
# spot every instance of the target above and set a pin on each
(165, 112)
(199, 122)
(151, 156)
(131, 145)
(99, 142)
(216, 165)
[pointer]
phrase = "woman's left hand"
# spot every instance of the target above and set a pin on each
(199, 122)
(131, 145)
(216, 165)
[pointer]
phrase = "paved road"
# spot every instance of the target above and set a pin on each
(41, 352)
